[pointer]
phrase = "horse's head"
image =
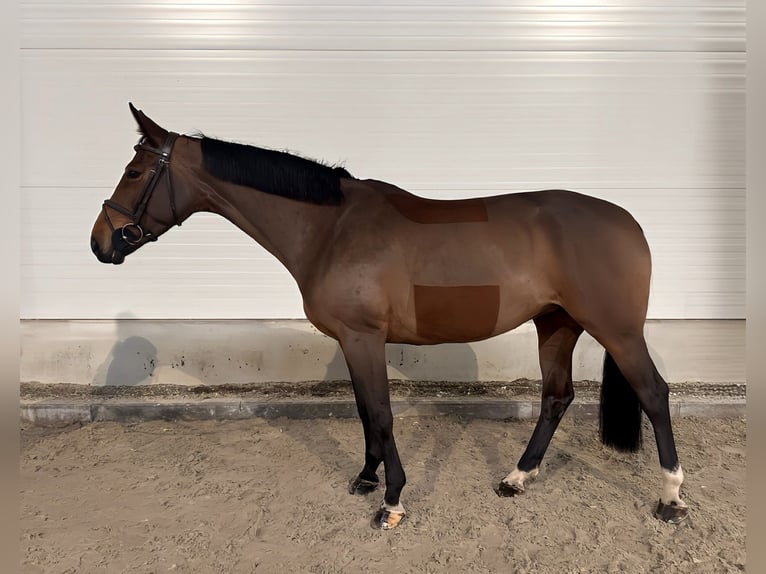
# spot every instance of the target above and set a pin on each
(145, 203)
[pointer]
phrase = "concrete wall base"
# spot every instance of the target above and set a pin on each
(141, 352)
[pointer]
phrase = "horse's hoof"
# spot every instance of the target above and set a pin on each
(385, 519)
(671, 513)
(506, 489)
(361, 486)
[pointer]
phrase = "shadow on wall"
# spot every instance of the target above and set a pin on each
(446, 362)
(131, 361)
(211, 356)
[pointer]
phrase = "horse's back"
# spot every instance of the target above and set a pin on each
(563, 208)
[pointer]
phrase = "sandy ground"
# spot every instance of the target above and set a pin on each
(270, 496)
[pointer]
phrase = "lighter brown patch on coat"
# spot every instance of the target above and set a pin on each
(422, 210)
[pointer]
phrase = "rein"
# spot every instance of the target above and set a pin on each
(132, 233)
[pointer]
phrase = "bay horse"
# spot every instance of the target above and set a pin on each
(376, 264)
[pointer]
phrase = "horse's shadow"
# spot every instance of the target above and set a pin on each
(453, 362)
(439, 362)
(131, 361)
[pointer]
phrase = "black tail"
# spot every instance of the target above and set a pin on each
(620, 411)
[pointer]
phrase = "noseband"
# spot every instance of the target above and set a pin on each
(132, 233)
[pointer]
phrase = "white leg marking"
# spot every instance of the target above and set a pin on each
(398, 508)
(517, 477)
(671, 484)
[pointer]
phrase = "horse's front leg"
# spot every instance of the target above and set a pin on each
(366, 359)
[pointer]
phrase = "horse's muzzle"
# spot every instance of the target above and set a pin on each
(114, 257)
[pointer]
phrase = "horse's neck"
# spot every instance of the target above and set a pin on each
(292, 231)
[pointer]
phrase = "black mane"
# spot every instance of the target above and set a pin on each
(271, 171)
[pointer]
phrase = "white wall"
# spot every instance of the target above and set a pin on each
(641, 103)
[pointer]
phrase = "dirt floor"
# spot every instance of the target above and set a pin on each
(270, 496)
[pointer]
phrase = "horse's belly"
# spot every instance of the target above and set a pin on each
(459, 313)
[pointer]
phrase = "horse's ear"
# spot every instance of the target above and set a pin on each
(147, 127)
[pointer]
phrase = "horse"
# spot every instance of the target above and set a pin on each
(376, 264)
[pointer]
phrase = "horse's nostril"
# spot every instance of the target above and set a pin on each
(94, 245)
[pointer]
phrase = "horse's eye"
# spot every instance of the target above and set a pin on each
(133, 174)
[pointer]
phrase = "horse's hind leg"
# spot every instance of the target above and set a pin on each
(636, 366)
(365, 356)
(557, 335)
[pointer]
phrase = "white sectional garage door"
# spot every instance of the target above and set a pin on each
(638, 102)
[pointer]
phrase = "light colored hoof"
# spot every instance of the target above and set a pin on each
(513, 484)
(672, 513)
(386, 519)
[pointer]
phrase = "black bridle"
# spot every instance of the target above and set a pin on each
(127, 238)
